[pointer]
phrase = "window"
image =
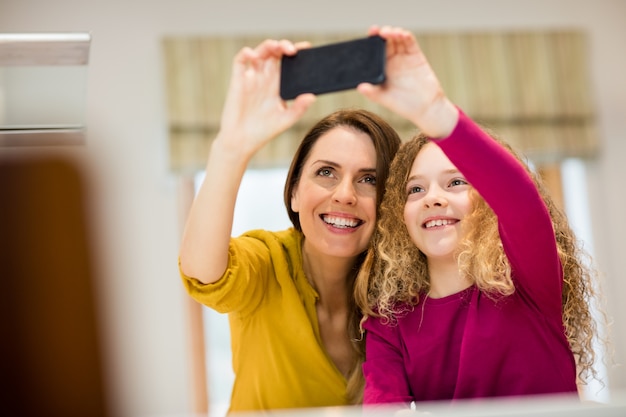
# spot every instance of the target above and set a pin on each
(259, 205)
(576, 197)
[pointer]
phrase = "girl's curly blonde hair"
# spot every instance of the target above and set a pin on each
(395, 271)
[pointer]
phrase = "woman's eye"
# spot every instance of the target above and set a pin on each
(458, 181)
(324, 172)
(370, 179)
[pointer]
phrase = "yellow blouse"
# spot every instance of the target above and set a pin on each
(278, 357)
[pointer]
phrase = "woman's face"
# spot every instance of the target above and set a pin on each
(335, 197)
(437, 202)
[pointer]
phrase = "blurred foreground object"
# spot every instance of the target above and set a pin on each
(50, 350)
(535, 406)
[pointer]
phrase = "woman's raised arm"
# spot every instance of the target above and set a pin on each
(253, 114)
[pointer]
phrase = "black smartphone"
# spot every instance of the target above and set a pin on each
(333, 67)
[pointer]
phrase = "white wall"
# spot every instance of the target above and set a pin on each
(135, 197)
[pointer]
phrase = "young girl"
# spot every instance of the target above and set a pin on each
(474, 285)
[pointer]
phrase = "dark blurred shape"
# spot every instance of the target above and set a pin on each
(50, 347)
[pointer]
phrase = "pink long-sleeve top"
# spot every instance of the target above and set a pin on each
(468, 345)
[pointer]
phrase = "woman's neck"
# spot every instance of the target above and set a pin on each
(330, 276)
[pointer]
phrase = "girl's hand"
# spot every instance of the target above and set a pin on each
(411, 88)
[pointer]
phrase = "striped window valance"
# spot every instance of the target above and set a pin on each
(531, 88)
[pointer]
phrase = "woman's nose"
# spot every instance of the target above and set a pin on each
(345, 192)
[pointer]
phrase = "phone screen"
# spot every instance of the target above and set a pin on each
(333, 67)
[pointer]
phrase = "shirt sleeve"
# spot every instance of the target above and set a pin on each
(383, 369)
(244, 282)
(523, 219)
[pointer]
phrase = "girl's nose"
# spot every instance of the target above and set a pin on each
(435, 197)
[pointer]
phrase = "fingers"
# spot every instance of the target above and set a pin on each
(262, 60)
(301, 104)
(268, 49)
(302, 45)
(271, 48)
(242, 59)
(399, 41)
(369, 90)
(373, 30)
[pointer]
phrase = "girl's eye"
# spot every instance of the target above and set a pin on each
(415, 189)
(457, 182)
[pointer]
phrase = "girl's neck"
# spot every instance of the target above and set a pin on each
(445, 278)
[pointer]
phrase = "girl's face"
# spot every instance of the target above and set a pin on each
(437, 202)
(335, 197)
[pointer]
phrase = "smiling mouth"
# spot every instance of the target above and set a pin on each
(341, 222)
(439, 222)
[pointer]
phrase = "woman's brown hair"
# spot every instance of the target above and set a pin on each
(386, 143)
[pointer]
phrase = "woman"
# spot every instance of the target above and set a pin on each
(289, 294)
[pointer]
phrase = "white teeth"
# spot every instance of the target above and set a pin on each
(341, 222)
(438, 222)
